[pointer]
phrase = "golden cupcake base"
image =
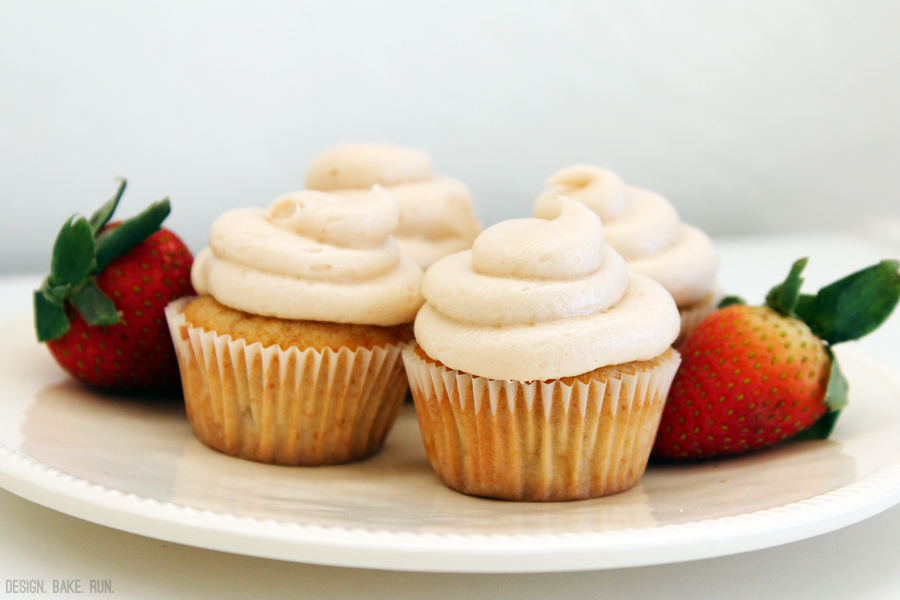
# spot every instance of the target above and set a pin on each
(567, 439)
(288, 407)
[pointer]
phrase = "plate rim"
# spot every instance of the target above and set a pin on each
(404, 551)
(494, 552)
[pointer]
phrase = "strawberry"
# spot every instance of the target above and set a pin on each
(101, 308)
(753, 376)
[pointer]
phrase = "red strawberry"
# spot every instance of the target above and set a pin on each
(101, 308)
(753, 376)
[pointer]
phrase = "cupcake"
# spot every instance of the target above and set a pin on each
(542, 364)
(291, 355)
(436, 216)
(645, 229)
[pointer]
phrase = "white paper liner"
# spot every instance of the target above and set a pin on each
(291, 407)
(693, 314)
(538, 441)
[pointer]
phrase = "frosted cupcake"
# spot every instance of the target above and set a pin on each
(436, 216)
(292, 353)
(542, 364)
(645, 229)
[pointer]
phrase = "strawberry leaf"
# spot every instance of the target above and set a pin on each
(821, 429)
(55, 294)
(83, 248)
(731, 301)
(95, 306)
(836, 392)
(103, 214)
(50, 320)
(73, 253)
(116, 241)
(835, 400)
(806, 307)
(856, 305)
(783, 297)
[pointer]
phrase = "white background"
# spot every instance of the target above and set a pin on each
(751, 117)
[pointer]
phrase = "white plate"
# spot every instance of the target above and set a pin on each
(135, 466)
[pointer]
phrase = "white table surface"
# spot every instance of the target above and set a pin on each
(858, 562)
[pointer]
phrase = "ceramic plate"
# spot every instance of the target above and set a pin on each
(135, 466)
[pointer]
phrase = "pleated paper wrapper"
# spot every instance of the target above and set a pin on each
(539, 441)
(290, 407)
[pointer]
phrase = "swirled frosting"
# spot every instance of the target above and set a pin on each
(312, 256)
(436, 216)
(536, 299)
(643, 227)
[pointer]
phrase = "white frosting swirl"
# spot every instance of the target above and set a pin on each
(436, 216)
(314, 256)
(643, 227)
(536, 300)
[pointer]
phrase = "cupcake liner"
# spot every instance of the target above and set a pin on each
(290, 407)
(538, 441)
(693, 314)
